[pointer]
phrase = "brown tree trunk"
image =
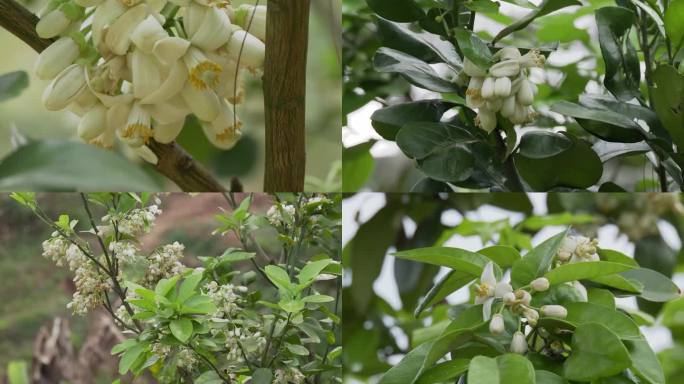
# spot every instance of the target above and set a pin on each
(287, 35)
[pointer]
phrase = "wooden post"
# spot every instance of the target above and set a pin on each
(287, 35)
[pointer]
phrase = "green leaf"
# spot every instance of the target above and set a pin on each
(614, 24)
(668, 100)
(291, 305)
(440, 148)
(279, 277)
(17, 372)
(414, 70)
(546, 7)
(619, 282)
(621, 324)
(297, 349)
(445, 371)
(596, 352)
(503, 255)
(543, 144)
(402, 11)
(603, 123)
(53, 165)
(656, 286)
(483, 370)
(209, 377)
(199, 304)
(584, 270)
(232, 256)
(537, 261)
(646, 364)
(455, 258)
(130, 357)
(262, 376)
(409, 368)
(673, 23)
(546, 377)
(474, 48)
(188, 286)
(387, 121)
(311, 270)
(181, 329)
(164, 286)
(601, 297)
(123, 346)
(486, 370)
(318, 299)
(358, 166)
(12, 84)
(447, 285)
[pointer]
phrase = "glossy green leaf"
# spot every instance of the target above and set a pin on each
(546, 377)
(503, 255)
(603, 123)
(358, 166)
(397, 10)
(596, 352)
(673, 23)
(646, 364)
(188, 286)
(483, 369)
(546, 7)
(70, 166)
(447, 285)
(164, 286)
(455, 258)
(537, 261)
(414, 70)
(387, 121)
(584, 270)
(12, 84)
(656, 286)
(130, 357)
(474, 48)
(181, 329)
(543, 144)
(445, 371)
(262, 376)
(278, 276)
(668, 100)
(581, 313)
(409, 368)
(613, 23)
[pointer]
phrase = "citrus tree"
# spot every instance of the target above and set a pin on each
(519, 96)
(229, 320)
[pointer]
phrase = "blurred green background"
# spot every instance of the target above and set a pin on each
(26, 116)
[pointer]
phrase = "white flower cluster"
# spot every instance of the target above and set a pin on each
(575, 249)
(289, 375)
(134, 69)
(649, 208)
(134, 223)
(55, 248)
(243, 339)
(504, 88)
(124, 251)
(164, 263)
(279, 214)
(226, 297)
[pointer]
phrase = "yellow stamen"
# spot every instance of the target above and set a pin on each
(229, 132)
(205, 75)
(138, 130)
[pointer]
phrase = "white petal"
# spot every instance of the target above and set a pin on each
(214, 31)
(93, 124)
(488, 276)
(501, 289)
(169, 111)
(104, 15)
(118, 37)
(146, 154)
(487, 309)
(204, 104)
(146, 74)
(65, 88)
(170, 49)
(147, 33)
(247, 50)
(52, 24)
(170, 87)
(55, 58)
(166, 133)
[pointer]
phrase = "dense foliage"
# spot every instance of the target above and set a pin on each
(455, 97)
(543, 313)
(220, 322)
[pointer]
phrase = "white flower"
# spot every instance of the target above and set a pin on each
(118, 37)
(55, 58)
(533, 58)
(578, 248)
(531, 315)
(488, 289)
(496, 325)
(224, 131)
(509, 68)
(252, 19)
(540, 284)
(93, 123)
(138, 128)
(554, 311)
(147, 34)
(65, 88)
(519, 343)
(169, 111)
(203, 73)
(104, 15)
(246, 50)
(52, 24)
(507, 53)
(214, 29)
(486, 120)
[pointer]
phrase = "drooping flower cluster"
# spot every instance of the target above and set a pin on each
(504, 88)
(164, 263)
(135, 69)
(226, 297)
(134, 223)
(240, 340)
(288, 376)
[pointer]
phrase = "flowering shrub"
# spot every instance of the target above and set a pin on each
(453, 85)
(213, 323)
(135, 70)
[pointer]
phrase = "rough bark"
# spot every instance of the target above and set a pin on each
(174, 162)
(287, 34)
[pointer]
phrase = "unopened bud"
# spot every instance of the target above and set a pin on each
(554, 311)
(519, 343)
(496, 325)
(540, 285)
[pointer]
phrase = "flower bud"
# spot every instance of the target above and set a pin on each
(247, 50)
(519, 343)
(509, 298)
(502, 87)
(55, 58)
(488, 85)
(554, 311)
(508, 68)
(494, 105)
(147, 34)
(531, 315)
(581, 290)
(486, 120)
(52, 24)
(525, 95)
(65, 88)
(473, 70)
(93, 123)
(496, 325)
(214, 30)
(508, 106)
(507, 53)
(252, 19)
(540, 285)
(523, 296)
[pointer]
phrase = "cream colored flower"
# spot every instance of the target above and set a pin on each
(247, 50)
(488, 289)
(138, 128)
(203, 73)
(252, 19)
(147, 34)
(224, 131)
(55, 58)
(65, 88)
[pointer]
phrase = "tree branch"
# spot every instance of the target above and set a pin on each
(174, 162)
(287, 36)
